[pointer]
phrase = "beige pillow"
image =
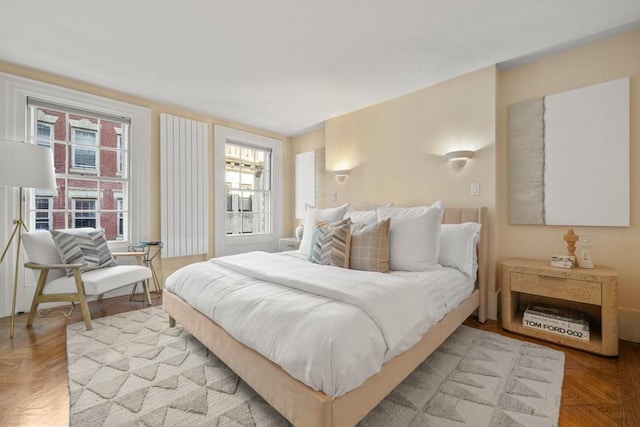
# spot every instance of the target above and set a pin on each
(332, 243)
(370, 247)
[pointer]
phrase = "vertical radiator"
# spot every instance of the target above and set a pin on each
(184, 187)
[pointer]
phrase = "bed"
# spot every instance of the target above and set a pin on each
(304, 405)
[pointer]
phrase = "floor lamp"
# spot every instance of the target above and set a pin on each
(26, 166)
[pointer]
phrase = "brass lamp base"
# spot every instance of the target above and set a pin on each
(18, 228)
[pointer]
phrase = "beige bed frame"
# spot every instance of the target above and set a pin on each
(304, 406)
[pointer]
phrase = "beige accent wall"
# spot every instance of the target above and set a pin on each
(619, 247)
(169, 265)
(394, 150)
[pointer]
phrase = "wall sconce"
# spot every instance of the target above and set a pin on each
(341, 175)
(458, 158)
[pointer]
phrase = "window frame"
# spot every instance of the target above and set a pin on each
(241, 197)
(70, 175)
(229, 244)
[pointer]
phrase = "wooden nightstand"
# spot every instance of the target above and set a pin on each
(591, 291)
(289, 244)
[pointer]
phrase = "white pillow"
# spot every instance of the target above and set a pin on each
(458, 247)
(312, 215)
(414, 236)
(361, 217)
(366, 216)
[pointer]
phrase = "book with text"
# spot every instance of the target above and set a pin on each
(558, 321)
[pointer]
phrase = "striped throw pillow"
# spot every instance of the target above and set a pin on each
(332, 243)
(83, 246)
(370, 247)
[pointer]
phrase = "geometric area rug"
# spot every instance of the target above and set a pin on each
(132, 369)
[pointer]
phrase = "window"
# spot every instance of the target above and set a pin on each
(84, 213)
(248, 184)
(43, 213)
(84, 151)
(120, 152)
(44, 134)
(120, 208)
(89, 156)
(248, 193)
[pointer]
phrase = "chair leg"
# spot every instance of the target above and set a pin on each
(36, 297)
(145, 285)
(82, 299)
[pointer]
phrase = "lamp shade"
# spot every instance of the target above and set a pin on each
(26, 165)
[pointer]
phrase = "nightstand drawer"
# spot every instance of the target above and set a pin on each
(557, 287)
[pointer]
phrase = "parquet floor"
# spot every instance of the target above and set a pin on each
(597, 391)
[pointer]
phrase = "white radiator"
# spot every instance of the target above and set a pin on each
(184, 187)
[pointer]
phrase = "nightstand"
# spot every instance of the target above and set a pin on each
(592, 291)
(289, 244)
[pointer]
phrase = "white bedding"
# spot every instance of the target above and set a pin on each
(329, 327)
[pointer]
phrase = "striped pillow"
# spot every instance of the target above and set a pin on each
(370, 247)
(332, 243)
(86, 246)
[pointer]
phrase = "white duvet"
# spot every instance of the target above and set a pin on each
(329, 327)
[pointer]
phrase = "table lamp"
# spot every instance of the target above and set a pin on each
(25, 166)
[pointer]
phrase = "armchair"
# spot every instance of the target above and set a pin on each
(54, 285)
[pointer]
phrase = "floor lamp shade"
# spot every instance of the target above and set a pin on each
(26, 165)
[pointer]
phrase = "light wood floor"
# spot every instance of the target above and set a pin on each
(597, 391)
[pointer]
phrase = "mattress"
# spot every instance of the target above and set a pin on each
(329, 327)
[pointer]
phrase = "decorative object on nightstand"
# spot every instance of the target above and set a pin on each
(592, 292)
(299, 231)
(289, 244)
(562, 261)
(571, 238)
(585, 250)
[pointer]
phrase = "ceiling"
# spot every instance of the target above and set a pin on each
(288, 65)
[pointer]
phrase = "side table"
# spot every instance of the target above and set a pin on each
(591, 291)
(151, 250)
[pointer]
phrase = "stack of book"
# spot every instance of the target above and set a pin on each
(564, 322)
